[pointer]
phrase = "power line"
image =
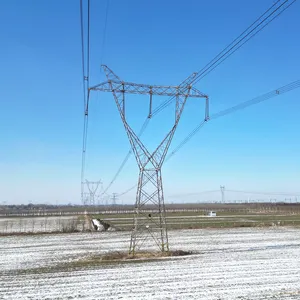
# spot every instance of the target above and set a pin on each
(228, 46)
(265, 193)
(284, 89)
(143, 128)
(118, 171)
(251, 36)
(222, 188)
(193, 194)
(85, 75)
(88, 50)
(82, 55)
(236, 44)
(207, 70)
(104, 32)
(297, 194)
(233, 46)
(128, 190)
(84, 96)
(243, 105)
(182, 143)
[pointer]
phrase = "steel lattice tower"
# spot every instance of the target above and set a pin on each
(150, 186)
(89, 197)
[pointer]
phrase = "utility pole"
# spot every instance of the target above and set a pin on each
(150, 187)
(222, 188)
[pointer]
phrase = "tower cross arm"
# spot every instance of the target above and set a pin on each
(147, 89)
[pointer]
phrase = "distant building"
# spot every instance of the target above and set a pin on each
(212, 214)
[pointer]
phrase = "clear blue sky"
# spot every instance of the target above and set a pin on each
(151, 42)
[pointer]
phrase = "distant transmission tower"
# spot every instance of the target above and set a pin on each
(222, 188)
(90, 197)
(150, 188)
(114, 198)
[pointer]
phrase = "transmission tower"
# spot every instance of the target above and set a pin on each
(222, 188)
(150, 188)
(114, 199)
(90, 197)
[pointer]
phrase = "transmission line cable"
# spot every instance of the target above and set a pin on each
(265, 193)
(234, 46)
(284, 89)
(240, 36)
(104, 33)
(82, 55)
(88, 50)
(194, 194)
(143, 128)
(85, 75)
(191, 134)
(145, 124)
(199, 77)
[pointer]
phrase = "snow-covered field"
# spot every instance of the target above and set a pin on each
(40, 224)
(252, 263)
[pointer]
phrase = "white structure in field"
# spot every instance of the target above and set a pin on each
(212, 214)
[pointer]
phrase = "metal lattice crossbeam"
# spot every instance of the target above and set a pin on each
(146, 89)
(150, 188)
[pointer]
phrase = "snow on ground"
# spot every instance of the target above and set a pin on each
(250, 263)
(40, 224)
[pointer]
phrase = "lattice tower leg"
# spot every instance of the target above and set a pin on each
(149, 222)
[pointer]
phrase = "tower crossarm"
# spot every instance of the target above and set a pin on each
(146, 89)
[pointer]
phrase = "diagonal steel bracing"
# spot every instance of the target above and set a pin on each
(150, 187)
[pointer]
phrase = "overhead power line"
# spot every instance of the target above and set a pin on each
(143, 128)
(85, 57)
(259, 24)
(104, 33)
(88, 49)
(251, 36)
(284, 89)
(236, 191)
(265, 193)
(128, 190)
(182, 143)
(251, 32)
(193, 194)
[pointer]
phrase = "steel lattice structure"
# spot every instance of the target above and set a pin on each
(150, 186)
(90, 197)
